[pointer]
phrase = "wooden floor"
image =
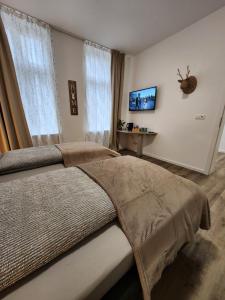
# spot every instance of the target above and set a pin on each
(198, 272)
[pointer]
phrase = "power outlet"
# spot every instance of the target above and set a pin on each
(200, 117)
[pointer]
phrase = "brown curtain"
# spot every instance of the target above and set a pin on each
(14, 132)
(4, 143)
(117, 75)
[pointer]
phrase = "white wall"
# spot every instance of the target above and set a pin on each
(182, 139)
(68, 52)
(128, 85)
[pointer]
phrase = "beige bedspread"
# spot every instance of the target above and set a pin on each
(82, 152)
(158, 211)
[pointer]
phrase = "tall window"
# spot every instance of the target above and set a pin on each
(30, 43)
(98, 93)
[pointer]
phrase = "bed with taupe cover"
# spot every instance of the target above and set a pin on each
(51, 220)
(34, 160)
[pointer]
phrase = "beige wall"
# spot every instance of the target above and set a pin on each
(182, 139)
(68, 54)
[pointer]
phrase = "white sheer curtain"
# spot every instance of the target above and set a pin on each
(30, 43)
(98, 93)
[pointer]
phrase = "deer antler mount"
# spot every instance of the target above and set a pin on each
(188, 84)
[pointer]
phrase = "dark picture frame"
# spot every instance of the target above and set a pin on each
(73, 97)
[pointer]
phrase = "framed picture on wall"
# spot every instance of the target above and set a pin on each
(73, 97)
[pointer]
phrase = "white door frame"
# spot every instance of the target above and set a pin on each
(217, 142)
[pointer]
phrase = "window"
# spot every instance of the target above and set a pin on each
(98, 93)
(30, 44)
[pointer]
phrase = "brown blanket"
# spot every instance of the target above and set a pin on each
(158, 211)
(82, 152)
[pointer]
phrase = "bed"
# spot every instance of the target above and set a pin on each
(117, 259)
(34, 160)
(92, 265)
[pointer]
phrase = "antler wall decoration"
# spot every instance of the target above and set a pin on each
(189, 84)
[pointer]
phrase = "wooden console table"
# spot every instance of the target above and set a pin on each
(140, 139)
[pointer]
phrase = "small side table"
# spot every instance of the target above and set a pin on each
(140, 139)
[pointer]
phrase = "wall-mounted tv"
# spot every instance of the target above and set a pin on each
(142, 100)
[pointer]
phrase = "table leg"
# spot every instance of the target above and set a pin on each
(140, 145)
(117, 142)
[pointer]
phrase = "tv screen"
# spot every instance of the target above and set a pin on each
(143, 99)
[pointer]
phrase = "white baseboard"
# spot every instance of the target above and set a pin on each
(190, 167)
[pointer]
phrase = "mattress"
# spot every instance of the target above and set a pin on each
(88, 271)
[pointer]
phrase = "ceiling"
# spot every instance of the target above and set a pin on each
(126, 25)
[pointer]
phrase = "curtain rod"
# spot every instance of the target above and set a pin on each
(52, 26)
(59, 29)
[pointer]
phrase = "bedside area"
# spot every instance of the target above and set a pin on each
(140, 136)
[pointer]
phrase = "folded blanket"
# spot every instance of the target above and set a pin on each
(43, 216)
(158, 211)
(29, 158)
(82, 152)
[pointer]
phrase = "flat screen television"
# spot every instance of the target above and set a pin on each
(142, 100)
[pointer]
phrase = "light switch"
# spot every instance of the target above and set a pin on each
(200, 117)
